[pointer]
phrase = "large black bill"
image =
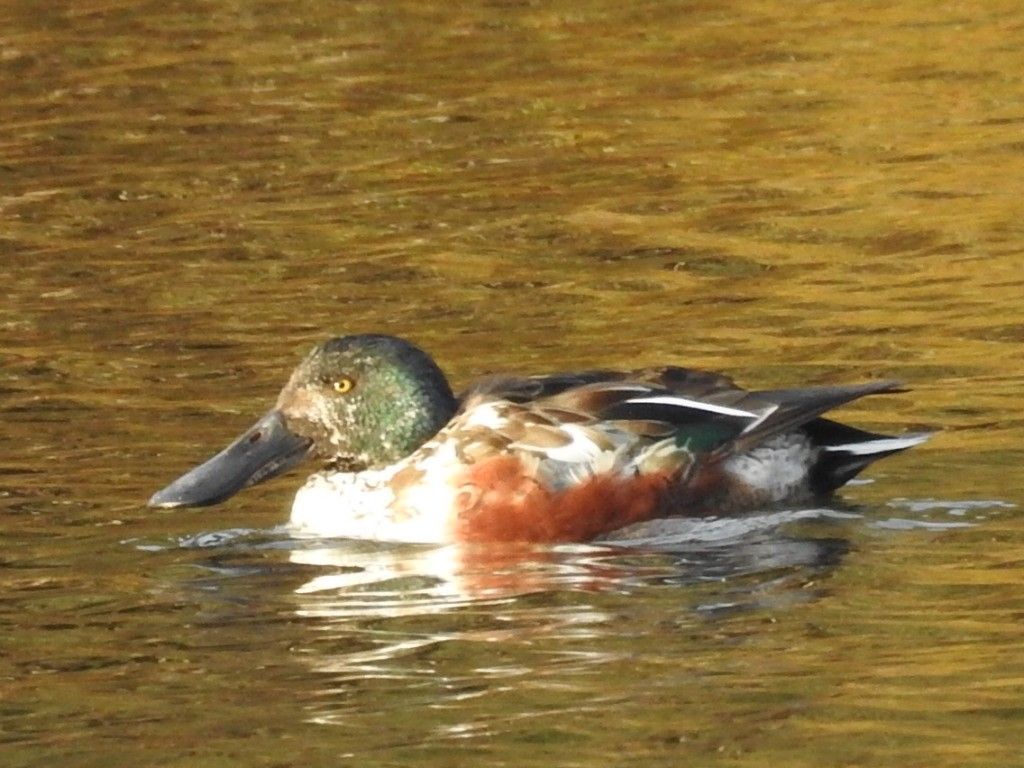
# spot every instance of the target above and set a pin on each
(267, 449)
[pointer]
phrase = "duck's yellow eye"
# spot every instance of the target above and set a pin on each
(343, 385)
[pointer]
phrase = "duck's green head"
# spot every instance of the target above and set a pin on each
(366, 401)
(354, 402)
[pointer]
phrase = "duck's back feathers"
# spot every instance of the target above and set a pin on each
(677, 415)
(688, 403)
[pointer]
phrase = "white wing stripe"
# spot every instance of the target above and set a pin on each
(878, 446)
(696, 405)
(760, 419)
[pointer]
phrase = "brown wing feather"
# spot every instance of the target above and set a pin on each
(600, 395)
(796, 407)
(525, 389)
(540, 403)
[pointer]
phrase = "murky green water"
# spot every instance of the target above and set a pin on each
(192, 192)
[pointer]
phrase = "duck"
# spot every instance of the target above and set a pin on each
(565, 457)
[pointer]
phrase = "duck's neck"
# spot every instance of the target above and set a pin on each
(415, 412)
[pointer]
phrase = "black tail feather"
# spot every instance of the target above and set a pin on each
(848, 450)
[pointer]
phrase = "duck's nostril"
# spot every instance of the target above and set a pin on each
(255, 436)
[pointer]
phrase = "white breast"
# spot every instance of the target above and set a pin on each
(363, 505)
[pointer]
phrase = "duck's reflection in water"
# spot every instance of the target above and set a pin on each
(378, 607)
(757, 552)
(376, 624)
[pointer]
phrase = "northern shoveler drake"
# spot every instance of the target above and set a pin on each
(563, 457)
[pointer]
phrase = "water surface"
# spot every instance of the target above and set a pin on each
(193, 193)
